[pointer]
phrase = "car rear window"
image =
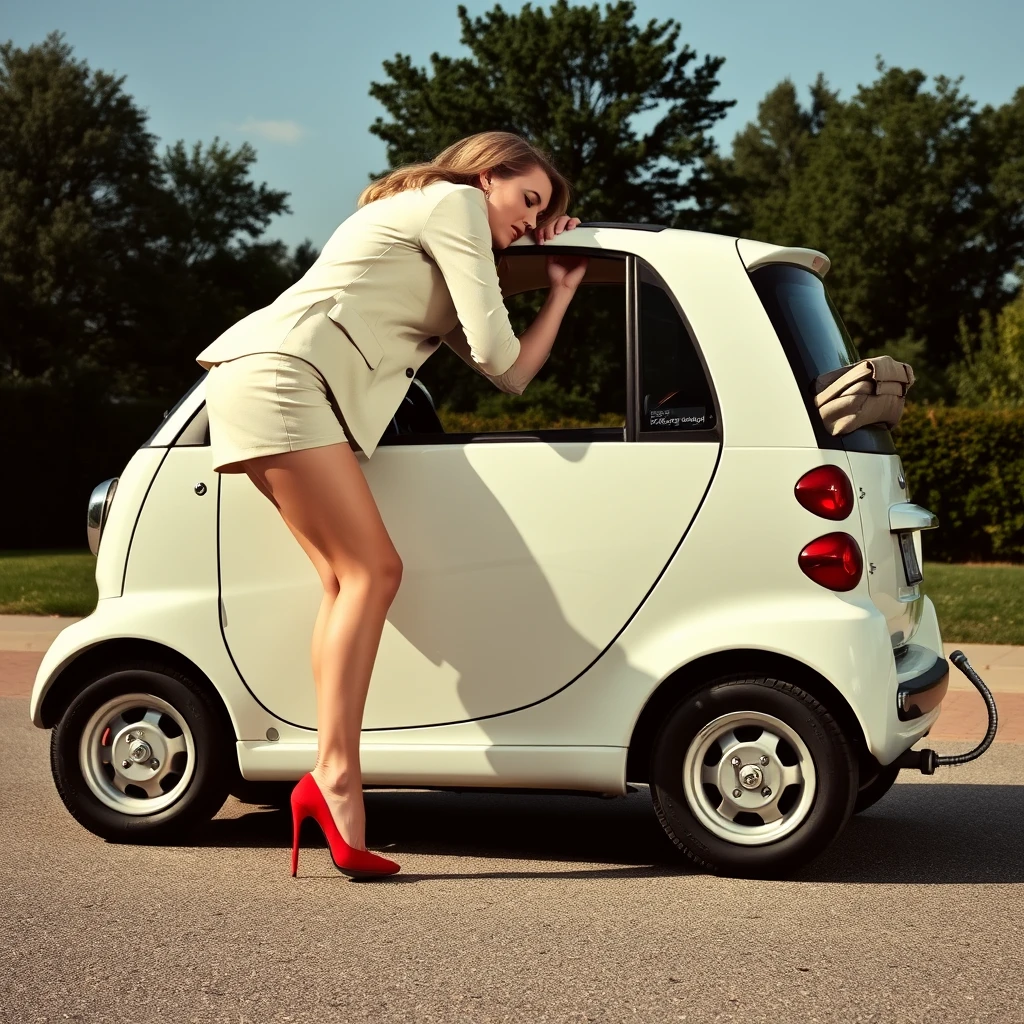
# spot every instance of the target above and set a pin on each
(804, 318)
(815, 341)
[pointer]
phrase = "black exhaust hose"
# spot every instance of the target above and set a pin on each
(960, 660)
(926, 761)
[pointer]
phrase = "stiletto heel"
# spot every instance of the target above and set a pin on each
(308, 802)
(296, 828)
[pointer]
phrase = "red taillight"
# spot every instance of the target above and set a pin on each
(825, 491)
(834, 561)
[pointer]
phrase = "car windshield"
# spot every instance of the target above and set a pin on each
(174, 408)
(804, 318)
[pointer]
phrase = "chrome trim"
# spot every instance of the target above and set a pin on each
(908, 516)
(99, 508)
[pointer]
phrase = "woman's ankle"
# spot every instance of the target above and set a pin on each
(339, 781)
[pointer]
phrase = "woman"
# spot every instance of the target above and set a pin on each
(295, 387)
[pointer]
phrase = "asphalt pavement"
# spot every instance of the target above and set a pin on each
(512, 908)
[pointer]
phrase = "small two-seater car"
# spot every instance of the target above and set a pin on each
(716, 597)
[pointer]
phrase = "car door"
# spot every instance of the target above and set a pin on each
(525, 554)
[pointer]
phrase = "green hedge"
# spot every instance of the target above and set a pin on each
(967, 466)
(526, 419)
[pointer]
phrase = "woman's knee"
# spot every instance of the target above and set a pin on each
(380, 575)
(329, 581)
(386, 571)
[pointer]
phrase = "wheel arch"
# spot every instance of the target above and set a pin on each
(93, 660)
(737, 664)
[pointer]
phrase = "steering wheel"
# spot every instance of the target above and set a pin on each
(416, 414)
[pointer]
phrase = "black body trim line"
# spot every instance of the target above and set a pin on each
(138, 516)
(632, 347)
(924, 692)
(223, 635)
(600, 654)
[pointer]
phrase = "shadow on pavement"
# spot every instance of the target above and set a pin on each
(927, 833)
(930, 833)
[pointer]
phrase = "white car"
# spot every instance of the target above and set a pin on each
(717, 599)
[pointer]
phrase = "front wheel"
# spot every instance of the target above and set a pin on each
(752, 777)
(141, 754)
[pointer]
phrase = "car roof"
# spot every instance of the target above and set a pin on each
(752, 252)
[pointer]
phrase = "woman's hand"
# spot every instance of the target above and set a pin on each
(554, 227)
(566, 271)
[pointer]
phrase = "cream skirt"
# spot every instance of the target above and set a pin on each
(267, 403)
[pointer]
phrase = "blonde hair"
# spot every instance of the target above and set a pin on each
(503, 153)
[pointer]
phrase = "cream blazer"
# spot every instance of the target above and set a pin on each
(397, 276)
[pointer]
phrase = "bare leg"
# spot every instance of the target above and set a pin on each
(324, 499)
(327, 578)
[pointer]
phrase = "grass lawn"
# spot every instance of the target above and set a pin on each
(47, 582)
(977, 604)
(981, 604)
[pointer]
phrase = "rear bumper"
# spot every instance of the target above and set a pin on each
(923, 679)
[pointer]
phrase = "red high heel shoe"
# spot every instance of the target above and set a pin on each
(309, 802)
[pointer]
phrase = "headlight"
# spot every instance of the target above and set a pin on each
(99, 507)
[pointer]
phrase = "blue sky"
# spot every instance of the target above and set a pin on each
(292, 78)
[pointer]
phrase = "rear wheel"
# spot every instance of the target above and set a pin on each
(142, 754)
(752, 777)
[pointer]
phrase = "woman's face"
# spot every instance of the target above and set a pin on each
(514, 204)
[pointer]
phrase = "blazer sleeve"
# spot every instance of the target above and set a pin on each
(512, 381)
(457, 237)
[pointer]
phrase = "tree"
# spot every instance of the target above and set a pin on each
(992, 371)
(767, 155)
(77, 174)
(116, 264)
(577, 82)
(205, 266)
(915, 195)
(623, 110)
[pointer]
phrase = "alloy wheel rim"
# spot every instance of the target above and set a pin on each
(749, 778)
(137, 754)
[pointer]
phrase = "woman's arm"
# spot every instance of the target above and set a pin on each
(456, 236)
(534, 344)
(564, 276)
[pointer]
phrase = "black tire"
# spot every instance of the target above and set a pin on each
(826, 807)
(875, 785)
(204, 787)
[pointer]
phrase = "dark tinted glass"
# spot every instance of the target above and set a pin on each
(804, 318)
(675, 391)
(174, 408)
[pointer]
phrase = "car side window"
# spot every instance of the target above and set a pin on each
(580, 388)
(675, 394)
